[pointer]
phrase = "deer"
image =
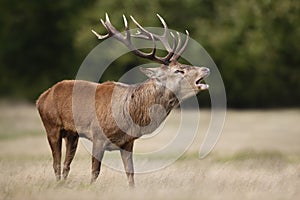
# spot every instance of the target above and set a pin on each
(121, 112)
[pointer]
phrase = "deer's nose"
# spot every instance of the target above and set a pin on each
(205, 69)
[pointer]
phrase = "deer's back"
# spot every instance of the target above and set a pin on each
(64, 101)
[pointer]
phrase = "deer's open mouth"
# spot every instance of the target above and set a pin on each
(200, 85)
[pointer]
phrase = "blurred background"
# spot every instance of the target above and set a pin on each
(254, 43)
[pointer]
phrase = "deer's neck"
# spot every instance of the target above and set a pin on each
(150, 103)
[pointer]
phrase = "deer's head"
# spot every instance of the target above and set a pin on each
(183, 80)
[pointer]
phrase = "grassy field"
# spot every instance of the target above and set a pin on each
(257, 157)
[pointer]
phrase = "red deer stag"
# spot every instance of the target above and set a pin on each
(117, 104)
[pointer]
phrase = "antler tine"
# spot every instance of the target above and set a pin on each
(107, 25)
(179, 52)
(150, 55)
(179, 41)
(164, 25)
(176, 51)
(112, 31)
(126, 28)
(154, 48)
(101, 37)
(144, 34)
(168, 57)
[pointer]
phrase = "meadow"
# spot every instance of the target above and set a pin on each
(257, 157)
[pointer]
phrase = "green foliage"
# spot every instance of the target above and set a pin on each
(37, 45)
(257, 52)
(254, 43)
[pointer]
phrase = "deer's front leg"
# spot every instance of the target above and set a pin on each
(126, 155)
(98, 152)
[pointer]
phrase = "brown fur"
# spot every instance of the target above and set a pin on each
(55, 108)
(113, 115)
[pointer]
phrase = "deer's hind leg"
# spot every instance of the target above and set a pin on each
(71, 140)
(55, 140)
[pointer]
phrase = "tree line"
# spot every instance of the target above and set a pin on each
(254, 43)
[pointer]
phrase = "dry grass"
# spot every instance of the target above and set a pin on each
(257, 157)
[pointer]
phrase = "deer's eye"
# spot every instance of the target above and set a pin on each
(179, 71)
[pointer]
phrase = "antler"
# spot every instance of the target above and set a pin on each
(173, 53)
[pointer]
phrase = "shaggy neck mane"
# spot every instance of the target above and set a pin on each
(148, 99)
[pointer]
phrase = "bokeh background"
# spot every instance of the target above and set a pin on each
(254, 43)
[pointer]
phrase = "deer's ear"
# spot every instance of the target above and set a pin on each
(150, 72)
